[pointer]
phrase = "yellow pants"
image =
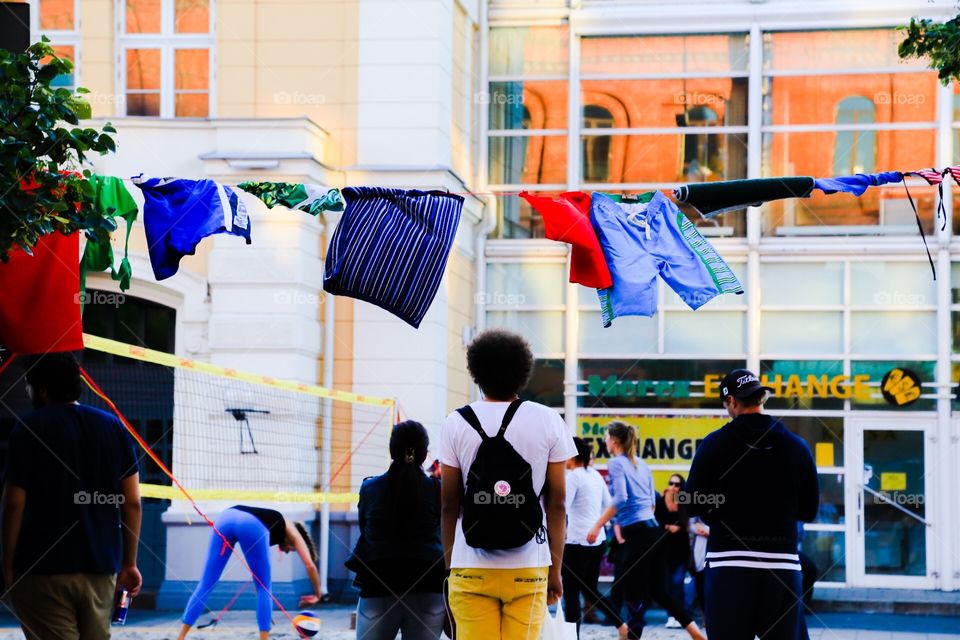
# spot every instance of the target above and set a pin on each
(492, 604)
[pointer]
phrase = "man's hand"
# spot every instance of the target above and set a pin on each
(130, 579)
(701, 530)
(672, 528)
(554, 585)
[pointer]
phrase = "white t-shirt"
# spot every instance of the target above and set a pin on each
(539, 435)
(587, 498)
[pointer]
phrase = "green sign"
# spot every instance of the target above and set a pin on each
(614, 387)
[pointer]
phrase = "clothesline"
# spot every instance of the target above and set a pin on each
(391, 246)
(216, 208)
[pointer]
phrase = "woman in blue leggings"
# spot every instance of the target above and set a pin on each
(256, 530)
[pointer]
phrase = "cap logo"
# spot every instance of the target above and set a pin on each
(742, 380)
(725, 391)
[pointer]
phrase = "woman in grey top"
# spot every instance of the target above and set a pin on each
(643, 569)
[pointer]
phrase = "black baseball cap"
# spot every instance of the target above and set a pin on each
(741, 383)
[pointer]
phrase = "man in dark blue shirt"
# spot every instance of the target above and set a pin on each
(752, 481)
(71, 509)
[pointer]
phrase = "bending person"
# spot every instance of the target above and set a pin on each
(643, 571)
(256, 530)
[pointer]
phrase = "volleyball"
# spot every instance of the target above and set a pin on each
(307, 624)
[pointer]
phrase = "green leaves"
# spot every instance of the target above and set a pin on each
(40, 144)
(938, 42)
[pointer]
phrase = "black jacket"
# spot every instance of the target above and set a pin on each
(396, 554)
(751, 481)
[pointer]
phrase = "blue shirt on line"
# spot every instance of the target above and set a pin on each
(633, 492)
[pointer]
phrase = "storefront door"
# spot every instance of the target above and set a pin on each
(892, 528)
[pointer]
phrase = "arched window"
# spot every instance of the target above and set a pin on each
(596, 149)
(855, 151)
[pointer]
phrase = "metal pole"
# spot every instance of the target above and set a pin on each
(326, 450)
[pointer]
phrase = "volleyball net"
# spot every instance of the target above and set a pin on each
(211, 433)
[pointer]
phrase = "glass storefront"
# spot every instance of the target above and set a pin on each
(840, 312)
(835, 344)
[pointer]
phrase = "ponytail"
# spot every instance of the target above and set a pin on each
(408, 450)
(626, 437)
(307, 540)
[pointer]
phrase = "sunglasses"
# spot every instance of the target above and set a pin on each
(674, 484)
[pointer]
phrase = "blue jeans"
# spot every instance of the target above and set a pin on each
(416, 615)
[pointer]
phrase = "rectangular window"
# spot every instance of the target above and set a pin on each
(537, 160)
(529, 51)
(658, 111)
(837, 103)
(528, 297)
(526, 102)
(59, 20)
(57, 15)
(143, 82)
(828, 552)
(167, 58)
(665, 55)
(669, 158)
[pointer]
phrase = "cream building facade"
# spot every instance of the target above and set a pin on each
(332, 93)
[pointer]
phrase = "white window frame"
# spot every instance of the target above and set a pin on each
(168, 42)
(60, 37)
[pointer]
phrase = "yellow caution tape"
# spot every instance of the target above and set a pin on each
(169, 360)
(172, 493)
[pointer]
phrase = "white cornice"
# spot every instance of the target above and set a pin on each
(606, 16)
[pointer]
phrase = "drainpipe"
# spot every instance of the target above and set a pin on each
(489, 220)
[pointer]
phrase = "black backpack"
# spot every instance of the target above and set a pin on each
(500, 508)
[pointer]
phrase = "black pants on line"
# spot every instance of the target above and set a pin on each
(580, 573)
(743, 603)
(644, 577)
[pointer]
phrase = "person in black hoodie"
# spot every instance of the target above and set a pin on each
(751, 481)
(398, 558)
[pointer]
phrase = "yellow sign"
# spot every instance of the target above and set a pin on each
(824, 454)
(662, 440)
(900, 387)
(890, 481)
(809, 386)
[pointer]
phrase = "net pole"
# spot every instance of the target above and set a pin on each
(326, 451)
